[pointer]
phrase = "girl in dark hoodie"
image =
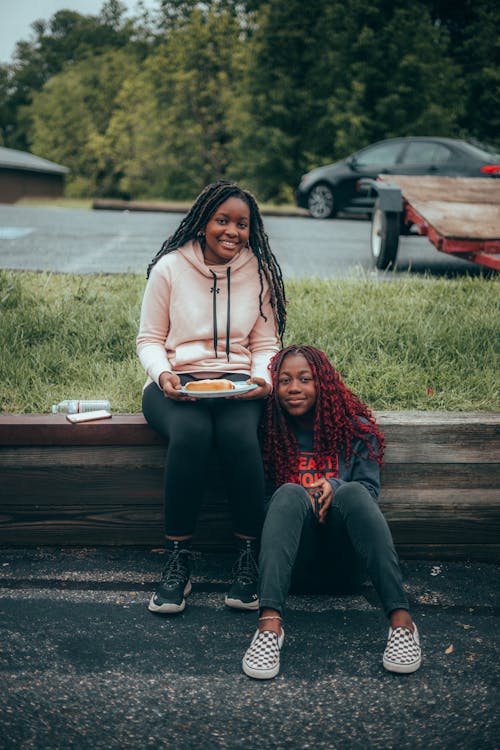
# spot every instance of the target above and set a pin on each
(323, 529)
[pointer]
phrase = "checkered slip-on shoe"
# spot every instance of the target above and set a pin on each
(262, 658)
(402, 653)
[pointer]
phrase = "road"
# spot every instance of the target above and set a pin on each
(78, 241)
(85, 666)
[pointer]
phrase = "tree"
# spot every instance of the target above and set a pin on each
(196, 76)
(71, 115)
(353, 72)
(67, 37)
(473, 27)
(281, 88)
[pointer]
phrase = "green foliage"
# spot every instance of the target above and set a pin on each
(63, 335)
(393, 343)
(409, 344)
(197, 98)
(67, 38)
(70, 117)
(282, 101)
(163, 103)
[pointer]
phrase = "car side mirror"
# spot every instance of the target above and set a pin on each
(352, 162)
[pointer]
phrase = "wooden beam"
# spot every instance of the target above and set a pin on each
(101, 483)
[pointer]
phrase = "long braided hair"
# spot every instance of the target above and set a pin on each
(193, 225)
(339, 419)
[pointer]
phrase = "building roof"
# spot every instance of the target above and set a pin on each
(10, 158)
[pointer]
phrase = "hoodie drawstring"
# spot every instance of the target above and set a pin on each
(215, 291)
(228, 317)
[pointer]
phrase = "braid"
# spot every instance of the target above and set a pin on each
(198, 217)
(340, 418)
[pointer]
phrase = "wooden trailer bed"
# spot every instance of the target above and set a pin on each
(459, 215)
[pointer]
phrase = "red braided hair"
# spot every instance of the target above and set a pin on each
(340, 418)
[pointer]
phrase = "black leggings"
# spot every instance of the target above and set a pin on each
(194, 430)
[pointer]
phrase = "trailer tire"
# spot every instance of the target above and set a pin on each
(384, 237)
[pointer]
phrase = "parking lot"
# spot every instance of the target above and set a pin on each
(77, 241)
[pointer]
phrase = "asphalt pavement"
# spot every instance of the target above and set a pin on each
(85, 665)
(69, 240)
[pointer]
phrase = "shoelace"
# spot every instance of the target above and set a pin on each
(176, 569)
(246, 569)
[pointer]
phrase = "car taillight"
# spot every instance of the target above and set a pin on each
(491, 169)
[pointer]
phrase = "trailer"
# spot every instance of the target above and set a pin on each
(459, 215)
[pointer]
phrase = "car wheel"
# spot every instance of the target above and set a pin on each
(321, 202)
(384, 237)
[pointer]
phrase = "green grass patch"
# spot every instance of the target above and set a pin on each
(83, 203)
(412, 343)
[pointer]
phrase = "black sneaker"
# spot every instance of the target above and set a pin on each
(174, 585)
(243, 591)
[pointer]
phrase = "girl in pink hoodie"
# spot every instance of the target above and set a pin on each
(214, 307)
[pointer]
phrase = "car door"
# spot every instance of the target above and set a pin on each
(426, 158)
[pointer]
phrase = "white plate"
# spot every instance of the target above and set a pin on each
(241, 387)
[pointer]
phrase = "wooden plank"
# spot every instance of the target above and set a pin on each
(465, 443)
(46, 493)
(471, 221)
(59, 457)
(485, 190)
(132, 429)
(116, 522)
(120, 527)
(437, 418)
(443, 498)
(441, 476)
(54, 429)
(407, 447)
(76, 484)
(402, 452)
(460, 208)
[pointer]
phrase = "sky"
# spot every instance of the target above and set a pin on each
(16, 17)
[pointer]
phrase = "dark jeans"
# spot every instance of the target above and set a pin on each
(195, 430)
(299, 554)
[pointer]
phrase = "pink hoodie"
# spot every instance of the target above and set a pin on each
(189, 324)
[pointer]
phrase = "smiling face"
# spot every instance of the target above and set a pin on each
(297, 389)
(227, 231)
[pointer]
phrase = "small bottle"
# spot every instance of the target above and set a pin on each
(75, 406)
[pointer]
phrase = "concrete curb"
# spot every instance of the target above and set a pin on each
(102, 204)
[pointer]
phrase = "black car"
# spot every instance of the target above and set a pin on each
(336, 187)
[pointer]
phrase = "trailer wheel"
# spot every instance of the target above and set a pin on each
(384, 237)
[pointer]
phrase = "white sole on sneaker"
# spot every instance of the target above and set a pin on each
(169, 608)
(238, 604)
(262, 673)
(402, 669)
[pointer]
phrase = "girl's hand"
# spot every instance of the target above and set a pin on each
(324, 491)
(262, 391)
(170, 385)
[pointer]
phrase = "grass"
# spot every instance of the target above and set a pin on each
(410, 344)
(83, 203)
